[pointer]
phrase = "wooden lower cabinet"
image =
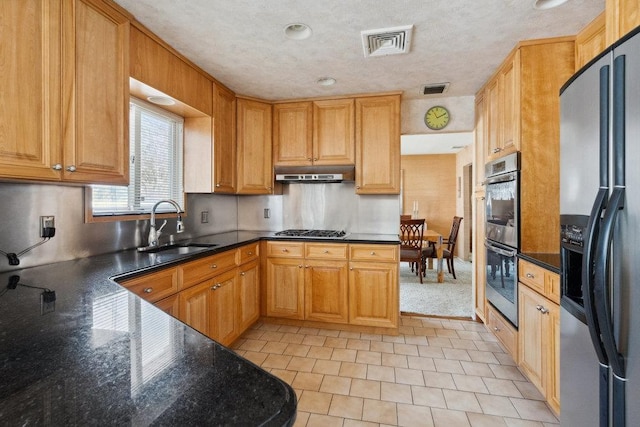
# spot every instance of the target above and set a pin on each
(502, 329)
(539, 341)
(373, 294)
(248, 299)
(170, 305)
(326, 291)
(222, 310)
(195, 306)
(285, 287)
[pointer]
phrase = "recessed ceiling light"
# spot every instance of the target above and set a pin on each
(161, 100)
(547, 4)
(297, 31)
(326, 81)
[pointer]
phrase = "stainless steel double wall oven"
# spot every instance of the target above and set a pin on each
(502, 235)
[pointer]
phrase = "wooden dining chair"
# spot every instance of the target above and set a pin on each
(449, 249)
(411, 233)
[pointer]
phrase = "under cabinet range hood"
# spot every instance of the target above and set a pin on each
(314, 174)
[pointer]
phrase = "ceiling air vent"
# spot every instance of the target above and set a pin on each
(386, 41)
(434, 89)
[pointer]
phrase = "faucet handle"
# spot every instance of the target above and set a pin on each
(179, 224)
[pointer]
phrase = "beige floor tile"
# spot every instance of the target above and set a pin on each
(463, 344)
(474, 326)
(289, 329)
(292, 338)
(358, 344)
(395, 360)
(285, 375)
(431, 323)
(301, 364)
(457, 325)
(307, 381)
(507, 372)
(450, 366)
(518, 422)
(533, 410)
(382, 347)
(488, 336)
(329, 367)
(398, 339)
(272, 336)
(254, 334)
(301, 419)
(428, 396)
(405, 330)
(470, 383)
(410, 321)
(380, 373)
(335, 342)
(357, 423)
(253, 345)
(320, 352)
(478, 369)
(499, 387)
(505, 359)
(421, 363)
(274, 347)
(329, 332)
(353, 370)
(309, 331)
(300, 350)
(316, 340)
(461, 401)
(497, 405)
(438, 379)
(399, 393)
(349, 335)
(447, 333)
(276, 361)
(347, 407)
(408, 349)
(430, 351)
(469, 335)
(365, 388)
(344, 355)
(315, 402)
(269, 327)
(335, 385)
(456, 354)
(489, 346)
(449, 418)
(369, 357)
(482, 420)
(411, 415)
(409, 376)
(440, 342)
(528, 390)
(424, 332)
(371, 337)
(483, 357)
(255, 357)
(416, 340)
(317, 420)
(380, 412)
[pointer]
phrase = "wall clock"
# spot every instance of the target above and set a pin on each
(436, 118)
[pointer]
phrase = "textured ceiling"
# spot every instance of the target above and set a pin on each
(242, 43)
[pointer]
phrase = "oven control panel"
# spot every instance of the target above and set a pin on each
(573, 229)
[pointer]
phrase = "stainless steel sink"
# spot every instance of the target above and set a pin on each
(177, 248)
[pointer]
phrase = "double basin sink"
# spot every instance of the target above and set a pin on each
(177, 248)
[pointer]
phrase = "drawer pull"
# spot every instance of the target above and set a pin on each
(214, 266)
(216, 286)
(373, 253)
(285, 250)
(250, 253)
(300, 266)
(57, 167)
(148, 290)
(71, 168)
(497, 150)
(326, 251)
(242, 274)
(539, 307)
(544, 310)
(495, 328)
(530, 276)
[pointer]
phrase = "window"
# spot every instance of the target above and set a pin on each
(156, 164)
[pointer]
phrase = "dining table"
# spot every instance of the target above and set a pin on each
(435, 237)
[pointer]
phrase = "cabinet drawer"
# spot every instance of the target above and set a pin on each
(503, 330)
(285, 249)
(248, 252)
(531, 275)
(154, 286)
(388, 253)
(202, 269)
(325, 250)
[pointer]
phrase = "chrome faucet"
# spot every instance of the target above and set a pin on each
(155, 234)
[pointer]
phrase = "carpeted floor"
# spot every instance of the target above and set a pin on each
(450, 299)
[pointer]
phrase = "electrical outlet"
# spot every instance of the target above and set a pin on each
(267, 213)
(204, 217)
(47, 226)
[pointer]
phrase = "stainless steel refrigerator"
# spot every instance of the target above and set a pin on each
(600, 240)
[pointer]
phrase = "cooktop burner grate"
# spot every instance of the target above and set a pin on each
(323, 234)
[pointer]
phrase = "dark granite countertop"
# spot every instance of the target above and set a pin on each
(101, 355)
(549, 261)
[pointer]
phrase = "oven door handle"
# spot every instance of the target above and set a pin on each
(500, 251)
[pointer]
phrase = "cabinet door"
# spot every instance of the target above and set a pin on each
(248, 301)
(285, 288)
(194, 306)
(224, 143)
(479, 254)
(292, 132)
(222, 320)
(326, 291)
(532, 337)
(378, 145)
(333, 132)
(373, 294)
(255, 165)
(170, 305)
(553, 358)
(590, 41)
(510, 106)
(154, 286)
(479, 133)
(30, 111)
(492, 104)
(622, 17)
(96, 93)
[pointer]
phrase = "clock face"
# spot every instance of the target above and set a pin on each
(436, 118)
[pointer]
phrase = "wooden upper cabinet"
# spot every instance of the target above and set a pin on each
(95, 93)
(30, 111)
(225, 149)
(590, 41)
(292, 133)
(622, 16)
(493, 120)
(378, 145)
(333, 132)
(255, 165)
(508, 85)
(156, 66)
(479, 134)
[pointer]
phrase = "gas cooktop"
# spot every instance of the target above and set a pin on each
(312, 234)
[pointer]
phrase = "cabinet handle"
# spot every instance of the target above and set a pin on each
(309, 158)
(250, 253)
(315, 159)
(300, 266)
(539, 307)
(214, 266)
(71, 168)
(57, 167)
(326, 251)
(242, 274)
(285, 250)
(306, 266)
(218, 185)
(530, 276)
(544, 310)
(497, 150)
(148, 290)
(358, 187)
(373, 253)
(351, 268)
(496, 329)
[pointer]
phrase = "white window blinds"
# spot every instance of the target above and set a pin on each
(156, 164)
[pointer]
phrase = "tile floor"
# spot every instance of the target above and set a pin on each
(437, 372)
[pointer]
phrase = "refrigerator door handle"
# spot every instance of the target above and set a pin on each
(603, 304)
